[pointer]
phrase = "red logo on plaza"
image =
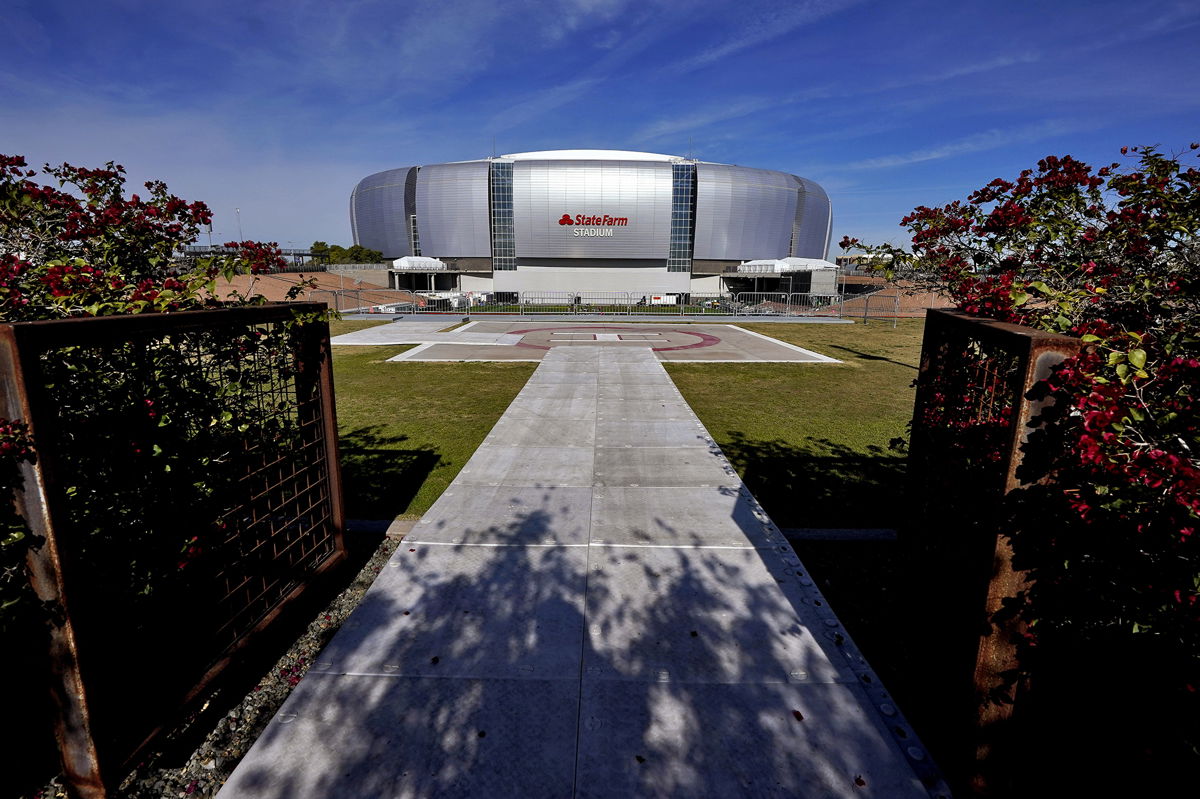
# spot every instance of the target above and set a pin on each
(566, 220)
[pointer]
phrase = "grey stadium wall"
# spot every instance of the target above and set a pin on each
(589, 218)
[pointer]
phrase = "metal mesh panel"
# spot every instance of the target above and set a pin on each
(968, 390)
(187, 466)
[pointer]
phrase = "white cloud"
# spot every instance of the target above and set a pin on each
(540, 103)
(568, 16)
(703, 118)
(769, 24)
(999, 62)
(977, 142)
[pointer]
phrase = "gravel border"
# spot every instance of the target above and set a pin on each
(210, 765)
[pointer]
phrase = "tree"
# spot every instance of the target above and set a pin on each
(319, 250)
(357, 254)
(335, 254)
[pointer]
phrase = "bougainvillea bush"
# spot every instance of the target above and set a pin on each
(1111, 534)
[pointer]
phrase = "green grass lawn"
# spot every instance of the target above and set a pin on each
(339, 326)
(407, 428)
(811, 440)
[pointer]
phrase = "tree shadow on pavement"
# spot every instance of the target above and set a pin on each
(873, 584)
(706, 672)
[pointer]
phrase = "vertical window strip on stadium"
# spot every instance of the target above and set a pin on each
(408, 213)
(504, 250)
(801, 197)
(412, 231)
(683, 203)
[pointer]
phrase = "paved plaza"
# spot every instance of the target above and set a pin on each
(595, 607)
(530, 341)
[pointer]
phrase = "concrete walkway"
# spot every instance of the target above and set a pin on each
(596, 607)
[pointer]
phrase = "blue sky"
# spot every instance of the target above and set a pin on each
(279, 108)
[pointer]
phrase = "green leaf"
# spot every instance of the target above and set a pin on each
(1123, 371)
(1090, 338)
(1115, 358)
(1137, 358)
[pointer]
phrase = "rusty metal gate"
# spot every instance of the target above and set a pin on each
(186, 489)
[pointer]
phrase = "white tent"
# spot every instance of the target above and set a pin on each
(782, 265)
(418, 263)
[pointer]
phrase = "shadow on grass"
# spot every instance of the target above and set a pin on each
(819, 483)
(866, 356)
(379, 476)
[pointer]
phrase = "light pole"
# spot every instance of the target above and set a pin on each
(238, 211)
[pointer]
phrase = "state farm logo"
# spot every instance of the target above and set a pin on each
(594, 219)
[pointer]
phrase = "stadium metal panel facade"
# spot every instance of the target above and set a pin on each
(588, 220)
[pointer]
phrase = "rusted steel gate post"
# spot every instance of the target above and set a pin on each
(298, 539)
(988, 368)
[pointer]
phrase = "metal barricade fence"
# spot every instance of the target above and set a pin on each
(707, 305)
(814, 305)
(374, 300)
(601, 303)
(762, 303)
(581, 302)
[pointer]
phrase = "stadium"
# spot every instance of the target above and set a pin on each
(594, 221)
